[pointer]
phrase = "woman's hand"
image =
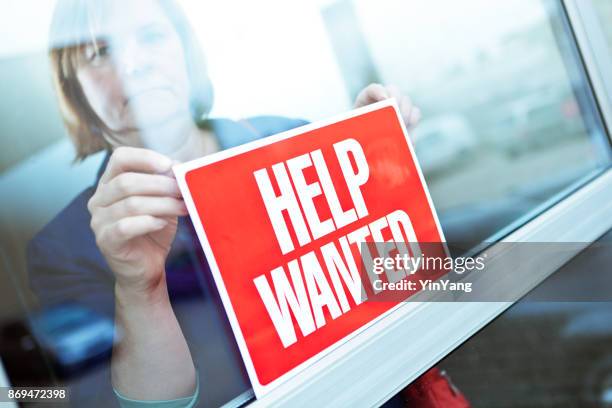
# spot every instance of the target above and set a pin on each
(377, 92)
(134, 217)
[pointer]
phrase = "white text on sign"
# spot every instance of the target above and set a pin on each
(306, 290)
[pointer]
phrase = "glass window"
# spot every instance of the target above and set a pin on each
(508, 124)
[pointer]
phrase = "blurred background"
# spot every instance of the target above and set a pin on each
(509, 123)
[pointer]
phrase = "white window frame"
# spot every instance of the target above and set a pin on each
(595, 52)
(375, 366)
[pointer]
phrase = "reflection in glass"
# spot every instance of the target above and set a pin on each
(508, 123)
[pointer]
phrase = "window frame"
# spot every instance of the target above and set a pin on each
(594, 50)
(339, 380)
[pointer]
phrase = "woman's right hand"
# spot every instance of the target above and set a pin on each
(134, 217)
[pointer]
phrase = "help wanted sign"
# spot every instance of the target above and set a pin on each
(282, 221)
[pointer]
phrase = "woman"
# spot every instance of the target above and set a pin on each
(131, 81)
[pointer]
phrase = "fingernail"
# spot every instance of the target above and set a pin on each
(176, 190)
(165, 165)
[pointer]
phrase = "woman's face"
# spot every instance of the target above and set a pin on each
(133, 73)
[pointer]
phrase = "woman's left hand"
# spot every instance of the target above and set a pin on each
(377, 92)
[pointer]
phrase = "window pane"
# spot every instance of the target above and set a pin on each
(508, 121)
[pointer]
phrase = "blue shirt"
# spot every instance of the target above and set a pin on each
(65, 265)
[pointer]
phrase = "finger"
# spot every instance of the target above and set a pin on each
(406, 103)
(135, 159)
(131, 227)
(144, 205)
(410, 113)
(405, 106)
(136, 184)
(376, 92)
(415, 117)
(394, 92)
(370, 94)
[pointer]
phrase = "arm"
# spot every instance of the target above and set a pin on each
(134, 218)
(152, 360)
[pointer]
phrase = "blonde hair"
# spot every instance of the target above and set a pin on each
(71, 20)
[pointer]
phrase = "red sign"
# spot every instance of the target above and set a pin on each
(281, 221)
